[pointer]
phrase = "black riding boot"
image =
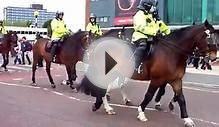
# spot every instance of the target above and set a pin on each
(53, 51)
(140, 52)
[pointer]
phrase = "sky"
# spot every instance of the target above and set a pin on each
(74, 10)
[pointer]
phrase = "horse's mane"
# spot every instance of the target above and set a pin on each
(178, 33)
(110, 32)
(78, 35)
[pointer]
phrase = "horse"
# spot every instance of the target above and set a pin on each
(70, 52)
(166, 63)
(9, 40)
(122, 34)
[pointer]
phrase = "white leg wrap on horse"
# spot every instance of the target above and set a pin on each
(188, 122)
(124, 95)
(107, 107)
(158, 104)
(64, 82)
(141, 115)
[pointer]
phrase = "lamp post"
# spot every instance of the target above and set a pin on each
(36, 14)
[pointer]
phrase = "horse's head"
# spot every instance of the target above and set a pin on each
(12, 38)
(201, 33)
(87, 39)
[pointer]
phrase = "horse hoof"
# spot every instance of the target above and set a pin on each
(188, 122)
(111, 112)
(64, 82)
(141, 115)
(108, 97)
(128, 103)
(53, 86)
(75, 90)
(72, 87)
(171, 106)
(158, 106)
(94, 109)
(33, 84)
(6, 70)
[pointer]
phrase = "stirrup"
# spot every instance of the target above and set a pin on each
(139, 69)
(54, 59)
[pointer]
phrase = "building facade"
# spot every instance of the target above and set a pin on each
(104, 10)
(173, 12)
(12, 14)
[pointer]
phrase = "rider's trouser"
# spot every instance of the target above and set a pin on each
(141, 51)
(54, 48)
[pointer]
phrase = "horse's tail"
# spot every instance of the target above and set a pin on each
(89, 88)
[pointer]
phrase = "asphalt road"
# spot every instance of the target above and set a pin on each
(23, 105)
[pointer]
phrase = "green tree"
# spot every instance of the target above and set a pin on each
(19, 23)
(48, 26)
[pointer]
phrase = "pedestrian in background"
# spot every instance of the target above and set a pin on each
(17, 53)
(26, 47)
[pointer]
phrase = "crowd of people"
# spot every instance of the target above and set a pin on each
(22, 50)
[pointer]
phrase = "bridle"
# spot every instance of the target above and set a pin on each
(185, 51)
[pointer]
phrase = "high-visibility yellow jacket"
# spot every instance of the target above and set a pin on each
(2, 30)
(145, 25)
(94, 28)
(59, 29)
(163, 27)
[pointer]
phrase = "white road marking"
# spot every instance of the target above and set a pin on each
(86, 101)
(19, 68)
(58, 75)
(18, 79)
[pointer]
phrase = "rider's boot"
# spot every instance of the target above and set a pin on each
(53, 52)
(139, 55)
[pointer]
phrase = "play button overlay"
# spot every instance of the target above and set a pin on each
(109, 61)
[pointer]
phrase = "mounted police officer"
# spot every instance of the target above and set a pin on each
(147, 24)
(93, 26)
(2, 30)
(59, 30)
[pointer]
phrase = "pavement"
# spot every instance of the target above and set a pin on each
(23, 105)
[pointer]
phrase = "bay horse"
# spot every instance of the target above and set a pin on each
(165, 64)
(70, 52)
(8, 41)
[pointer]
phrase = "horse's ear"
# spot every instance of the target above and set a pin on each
(193, 23)
(206, 23)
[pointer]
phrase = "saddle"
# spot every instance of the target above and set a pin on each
(49, 45)
(48, 48)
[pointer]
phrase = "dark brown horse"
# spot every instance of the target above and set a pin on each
(165, 64)
(9, 40)
(71, 51)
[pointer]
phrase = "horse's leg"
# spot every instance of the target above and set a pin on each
(108, 92)
(48, 65)
(34, 67)
(5, 61)
(121, 83)
(97, 104)
(148, 97)
(172, 103)
(177, 88)
(69, 70)
(160, 93)
(124, 95)
(108, 108)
